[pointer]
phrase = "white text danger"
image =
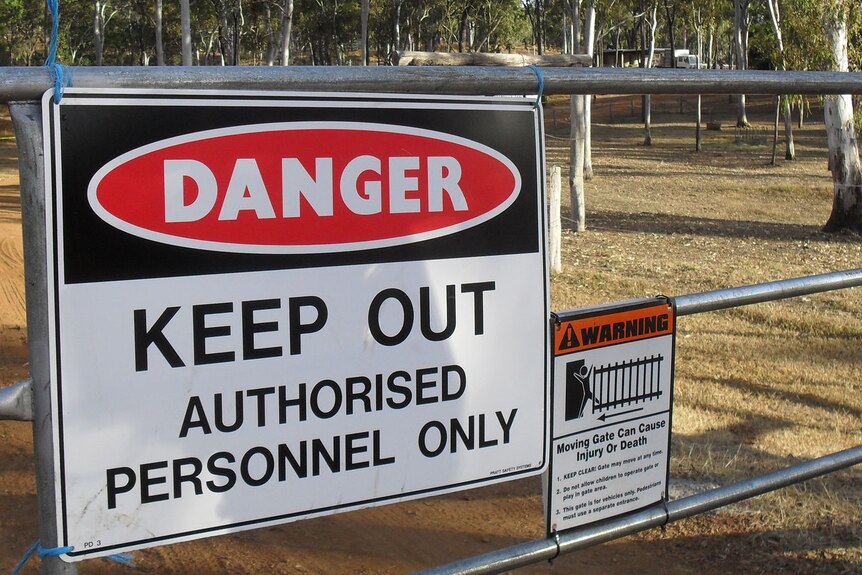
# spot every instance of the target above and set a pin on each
(192, 190)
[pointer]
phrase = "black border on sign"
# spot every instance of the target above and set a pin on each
(584, 313)
(53, 165)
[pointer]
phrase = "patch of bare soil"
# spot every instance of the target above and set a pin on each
(757, 388)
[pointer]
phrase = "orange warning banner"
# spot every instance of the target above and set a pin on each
(613, 328)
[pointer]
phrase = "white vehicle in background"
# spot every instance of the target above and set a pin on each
(683, 59)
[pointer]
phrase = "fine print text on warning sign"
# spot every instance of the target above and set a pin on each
(267, 307)
(612, 399)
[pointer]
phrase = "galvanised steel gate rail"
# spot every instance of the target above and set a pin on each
(546, 549)
(28, 84)
(22, 88)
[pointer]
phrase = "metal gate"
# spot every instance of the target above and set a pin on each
(21, 88)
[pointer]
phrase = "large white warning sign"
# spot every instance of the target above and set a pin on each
(611, 418)
(268, 306)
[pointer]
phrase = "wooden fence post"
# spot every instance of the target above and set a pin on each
(555, 227)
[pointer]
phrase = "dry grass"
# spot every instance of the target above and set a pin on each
(757, 388)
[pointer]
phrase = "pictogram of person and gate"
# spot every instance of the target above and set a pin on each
(609, 386)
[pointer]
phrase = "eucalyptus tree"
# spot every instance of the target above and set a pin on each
(580, 164)
(285, 31)
(23, 34)
(840, 131)
(186, 32)
(782, 104)
(363, 42)
(501, 25)
(703, 16)
(100, 21)
(650, 24)
(740, 42)
(670, 21)
(698, 20)
(160, 43)
(535, 10)
(805, 46)
(589, 48)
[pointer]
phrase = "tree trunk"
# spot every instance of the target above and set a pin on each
(98, 31)
(462, 28)
(396, 25)
(565, 31)
(841, 134)
(670, 18)
(789, 147)
(699, 24)
(540, 41)
(223, 39)
(270, 37)
(647, 100)
(160, 45)
(286, 29)
(576, 26)
(238, 23)
(775, 129)
(576, 163)
(363, 42)
(698, 146)
(186, 31)
(710, 56)
(740, 41)
(589, 45)
(647, 105)
(554, 221)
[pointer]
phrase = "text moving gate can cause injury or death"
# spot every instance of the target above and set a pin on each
(612, 400)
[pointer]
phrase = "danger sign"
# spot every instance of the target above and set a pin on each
(268, 307)
(612, 401)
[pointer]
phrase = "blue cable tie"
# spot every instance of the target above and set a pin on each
(541, 79)
(26, 557)
(61, 78)
(54, 8)
(53, 551)
(126, 559)
(36, 548)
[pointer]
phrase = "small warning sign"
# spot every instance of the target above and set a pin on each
(612, 400)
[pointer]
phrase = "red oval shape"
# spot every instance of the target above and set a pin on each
(304, 187)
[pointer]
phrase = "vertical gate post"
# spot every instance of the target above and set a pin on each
(27, 120)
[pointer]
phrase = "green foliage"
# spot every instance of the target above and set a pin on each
(854, 37)
(247, 32)
(805, 46)
(329, 31)
(21, 33)
(857, 118)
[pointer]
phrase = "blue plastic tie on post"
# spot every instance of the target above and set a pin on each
(42, 552)
(541, 79)
(126, 559)
(26, 557)
(52, 551)
(54, 9)
(61, 77)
